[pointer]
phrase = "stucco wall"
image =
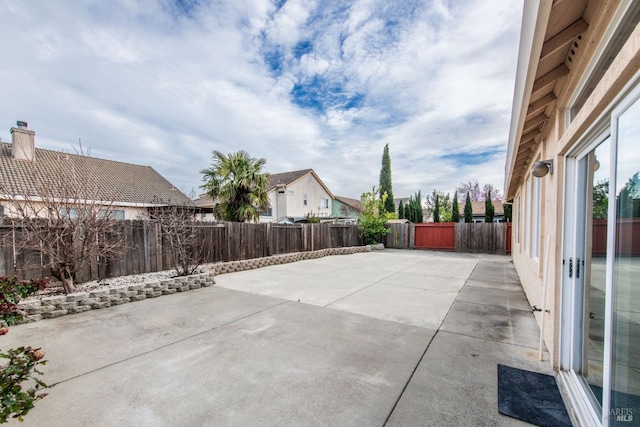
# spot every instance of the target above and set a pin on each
(311, 187)
(129, 212)
(291, 203)
(557, 140)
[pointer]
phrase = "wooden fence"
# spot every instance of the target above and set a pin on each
(481, 237)
(627, 237)
(402, 236)
(149, 251)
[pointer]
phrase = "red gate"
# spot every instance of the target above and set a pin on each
(436, 235)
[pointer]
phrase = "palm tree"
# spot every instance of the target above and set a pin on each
(237, 185)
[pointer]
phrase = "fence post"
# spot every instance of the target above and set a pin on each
(268, 241)
(3, 271)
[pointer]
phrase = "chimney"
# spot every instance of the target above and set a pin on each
(23, 145)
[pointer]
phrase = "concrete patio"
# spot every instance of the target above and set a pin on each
(371, 339)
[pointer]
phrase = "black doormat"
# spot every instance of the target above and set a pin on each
(531, 397)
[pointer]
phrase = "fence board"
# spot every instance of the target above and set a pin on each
(481, 237)
(399, 237)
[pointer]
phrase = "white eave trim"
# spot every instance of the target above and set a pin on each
(535, 18)
(114, 204)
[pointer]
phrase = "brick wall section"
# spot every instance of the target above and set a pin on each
(61, 305)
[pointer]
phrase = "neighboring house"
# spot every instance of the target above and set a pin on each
(292, 196)
(204, 208)
(479, 208)
(127, 190)
(296, 194)
(346, 209)
(572, 171)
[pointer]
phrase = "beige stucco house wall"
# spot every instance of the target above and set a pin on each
(118, 211)
(296, 194)
(551, 76)
(578, 74)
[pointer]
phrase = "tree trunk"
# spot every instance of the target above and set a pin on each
(66, 278)
(67, 284)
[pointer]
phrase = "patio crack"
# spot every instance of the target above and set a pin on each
(409, 380)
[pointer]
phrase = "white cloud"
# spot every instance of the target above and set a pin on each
(148, 82)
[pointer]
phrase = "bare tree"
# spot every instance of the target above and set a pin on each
(476, 193)
(63, 218)
(493, 191)
(182, 235)
(472, 188)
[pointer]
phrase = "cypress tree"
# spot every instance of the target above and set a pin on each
(489, 210)
(507, 211)
(468, 210)
(413, 209)
(455, 210)
(436, 207)
(401, 210)
(385, 180)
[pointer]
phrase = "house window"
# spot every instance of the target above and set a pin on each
(535, 242)
(324, 203)
(281, 191)
(625, 22)
(527, 217)
(267, 212)
(516, 223)
(1, 211)
(117, 214)
(304, 202)
(68, 213)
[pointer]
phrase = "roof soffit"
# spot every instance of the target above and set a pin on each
(563, 31)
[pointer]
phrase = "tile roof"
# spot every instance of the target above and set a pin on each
(350, 202)
(478, 208)
(204, 201)
(117, 181)
(285, 178)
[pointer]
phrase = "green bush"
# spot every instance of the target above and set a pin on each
(373, 218)
(15, 402)
(22, 363)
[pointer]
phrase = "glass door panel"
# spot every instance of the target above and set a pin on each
(584, 290)
(597, 165)
(625, 355)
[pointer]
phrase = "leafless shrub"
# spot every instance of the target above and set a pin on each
(62, 215)
(182, 234)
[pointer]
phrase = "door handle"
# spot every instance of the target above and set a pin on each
(570, 267)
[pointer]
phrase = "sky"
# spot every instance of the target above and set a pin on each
(301, 83)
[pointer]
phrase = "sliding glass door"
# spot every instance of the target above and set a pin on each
(584, 280)
(624, 327)
(600, 318)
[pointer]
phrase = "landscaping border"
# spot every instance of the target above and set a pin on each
(250, 264)
(80, 302)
